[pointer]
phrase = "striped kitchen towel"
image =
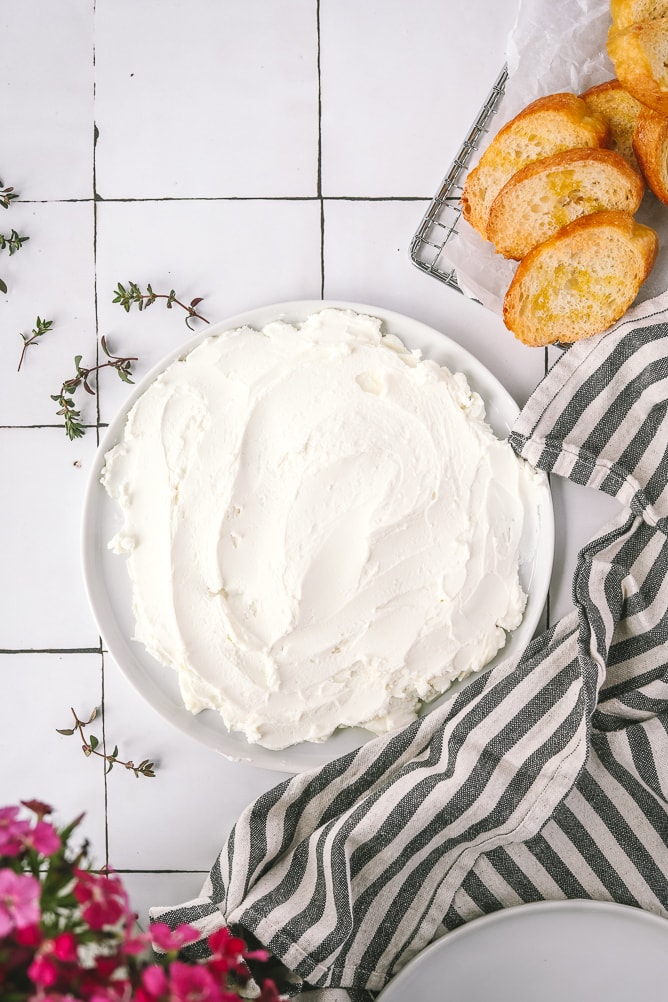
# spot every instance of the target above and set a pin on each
(545, 778)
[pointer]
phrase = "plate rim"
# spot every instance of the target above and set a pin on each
(510, 914)
(479, 376)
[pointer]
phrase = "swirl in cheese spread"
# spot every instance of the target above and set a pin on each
(321, 529)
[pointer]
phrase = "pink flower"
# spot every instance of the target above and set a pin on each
(193, 983)
(64, 947)
(53, 997)
(102, 898)
(19, 901)
(12, 831)
(43, 838)
(228, 951)
(111, 993)
(16, 833)
(168, 939)
(43, 971)
(30, 935)
(154, 983)
(135, 942)
(269, 992)
(106, 966)
(224, 944)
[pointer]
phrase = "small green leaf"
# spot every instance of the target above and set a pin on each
(93, 742)
(74, 429)
(65, 730)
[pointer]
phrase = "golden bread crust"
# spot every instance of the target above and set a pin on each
(548, 194)
(627, 12)
(650, 142)
(582, 280)
(639, 54)
(620, 110)
(551, 124)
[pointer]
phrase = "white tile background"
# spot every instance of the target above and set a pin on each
(248, 153)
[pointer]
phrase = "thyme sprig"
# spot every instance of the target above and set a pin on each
(7, 195)
(91, 746)
(39, 330)
(133, 296)
(13, 242)
(74, 427)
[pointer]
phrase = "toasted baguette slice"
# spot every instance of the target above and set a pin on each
(650, 142)
(549, 125)
(552, 192)
(639, 54)
(580, 281)
(627, 12)
(620, 110)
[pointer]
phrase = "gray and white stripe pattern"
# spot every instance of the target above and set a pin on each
(545, 778)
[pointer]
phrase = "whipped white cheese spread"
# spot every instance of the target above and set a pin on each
(321, 529)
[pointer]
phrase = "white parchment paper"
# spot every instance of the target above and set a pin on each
(555, 45)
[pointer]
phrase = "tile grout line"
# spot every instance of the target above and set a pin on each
(52, 650)
(96, 134)
(104, 771)
(120, 869)
(28, 427)
(319, 165)
(140, 199)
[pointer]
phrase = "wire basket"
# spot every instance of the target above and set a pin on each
(439, 222)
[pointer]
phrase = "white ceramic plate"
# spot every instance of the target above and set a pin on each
(550, 951)
(108, 583)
